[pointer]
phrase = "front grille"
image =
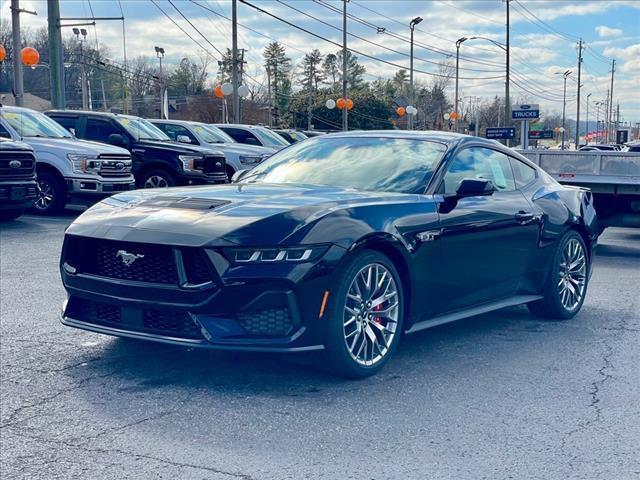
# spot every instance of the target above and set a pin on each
(213, 164)
(111, 166)
(274, 322)
(152, 263)
(167, 323)
(149, 263)
(25, 171)
(170, 323)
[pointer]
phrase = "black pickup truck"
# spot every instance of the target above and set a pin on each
(157, 161)
(18, 188)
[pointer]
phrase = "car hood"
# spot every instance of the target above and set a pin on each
(72, 145)
(177, 147)
(237, 214)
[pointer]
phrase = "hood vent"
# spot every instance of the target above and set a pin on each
(186, 203)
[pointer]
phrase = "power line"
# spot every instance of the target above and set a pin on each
(405, 54)
(183, 30)
(194, 27)
(545, 26)
(353, 50)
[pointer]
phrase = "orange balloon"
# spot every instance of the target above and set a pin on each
(218, 91)
(453, 115)
(30, 56)
(401, 111)
(340, 103)
(3, 53)
(349, 104)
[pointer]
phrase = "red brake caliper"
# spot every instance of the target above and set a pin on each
(378, 320)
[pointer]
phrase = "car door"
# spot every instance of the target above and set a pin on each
(487, 240)
(99, 130)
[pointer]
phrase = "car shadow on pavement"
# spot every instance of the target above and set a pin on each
(142, 366)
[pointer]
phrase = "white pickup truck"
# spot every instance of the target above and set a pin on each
(613, 177)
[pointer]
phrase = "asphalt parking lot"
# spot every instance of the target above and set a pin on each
(503, 395)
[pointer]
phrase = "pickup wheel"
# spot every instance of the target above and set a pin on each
(8, 215)
(52, 195)
(157, 179)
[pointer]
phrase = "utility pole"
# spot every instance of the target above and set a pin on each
(507, 106)
(18, 83)
(613, 71)
(234, 56)
(587, 131)
(578, 102)
(564, 105)
(605, 120)
(56, 56)
(160, 55)
(104, 97)
(617, 126)
(83, 72)
(345, 121)
(269, 96)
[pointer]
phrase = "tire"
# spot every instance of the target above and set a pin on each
(566, 287)
(52, 195)
(8, 215)
(157, 179)
(350, 350)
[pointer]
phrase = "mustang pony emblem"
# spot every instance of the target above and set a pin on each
(128, 258)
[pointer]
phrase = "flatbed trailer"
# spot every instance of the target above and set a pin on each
(613, 177)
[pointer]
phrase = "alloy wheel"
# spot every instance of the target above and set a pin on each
(572, 275)
(45, 195)
(371, 313)
(156, 181)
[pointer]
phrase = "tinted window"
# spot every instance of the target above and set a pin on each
(241, 136)
(478, 162)
(364, 163)
(173, 131)
(4, 132)
(522, 173)
(99, 130)
(70, 123)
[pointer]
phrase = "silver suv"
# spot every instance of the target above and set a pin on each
(238, 155)
(68, 169)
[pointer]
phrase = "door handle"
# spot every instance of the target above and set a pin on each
(524, 218)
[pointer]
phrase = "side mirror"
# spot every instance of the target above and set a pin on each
(474, 187)
(183, 139)
(237, 176)
(117, 140)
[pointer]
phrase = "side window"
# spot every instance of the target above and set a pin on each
(522, 173)
(242, 136)
(480, 162)
(173, 131)
(4, 132)
(70, 123)
(99, 130)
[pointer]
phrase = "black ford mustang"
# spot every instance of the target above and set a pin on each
(341, 243)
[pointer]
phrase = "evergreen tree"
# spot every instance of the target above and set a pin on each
(278, 67)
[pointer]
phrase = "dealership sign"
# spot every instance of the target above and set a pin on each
(500, 133)
(525, 112)
(540, 134)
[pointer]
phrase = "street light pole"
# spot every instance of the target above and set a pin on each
(458, 43)
(345, 121)
(160, 55)
(412, 25)
(234, 64)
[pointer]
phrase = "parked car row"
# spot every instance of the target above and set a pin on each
(83, 156)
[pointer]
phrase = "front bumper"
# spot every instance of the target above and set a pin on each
(196, 177)
(97, 187)
(253, 308)
(17, 194)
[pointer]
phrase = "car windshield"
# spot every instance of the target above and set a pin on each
(269, 138)
(211, 134)
(364, 163)
(34, 124)
(142, 129)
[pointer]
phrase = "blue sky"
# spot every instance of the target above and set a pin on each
(540, 47)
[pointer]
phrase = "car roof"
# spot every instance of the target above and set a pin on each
(236, 125)
(92, 113)
(449, 138)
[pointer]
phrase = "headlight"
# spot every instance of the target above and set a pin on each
(305, 253)
(249, 160)
(84, 163)
(189, 161)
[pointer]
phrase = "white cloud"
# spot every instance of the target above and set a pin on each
(604, 31)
